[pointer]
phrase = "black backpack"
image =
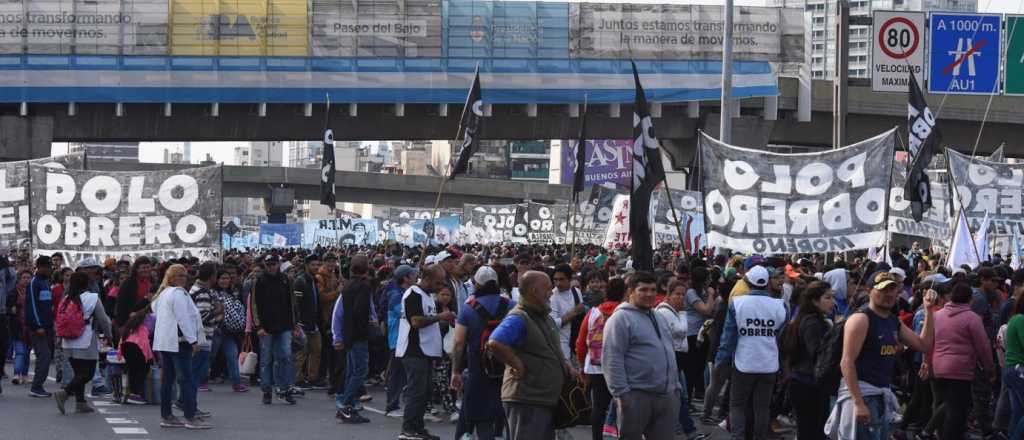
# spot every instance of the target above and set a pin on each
(489, 364)
(827, 372)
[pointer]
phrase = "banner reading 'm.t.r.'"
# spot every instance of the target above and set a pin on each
(762, 202)
(101, 214)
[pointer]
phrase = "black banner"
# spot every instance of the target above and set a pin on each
(15, 223)
(110, 214)
(761, 202)
(494, 224)
(548, 224)
(923, 141)
(935, 224)
(327, 171)
(592, 216)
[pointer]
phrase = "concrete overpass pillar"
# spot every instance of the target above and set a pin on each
(23, 138)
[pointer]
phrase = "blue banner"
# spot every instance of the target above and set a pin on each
(965, 53)
(280, 235)
(340, 232)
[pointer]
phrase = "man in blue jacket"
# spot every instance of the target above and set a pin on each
(39, 320)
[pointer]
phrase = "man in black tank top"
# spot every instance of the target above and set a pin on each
(870, 345)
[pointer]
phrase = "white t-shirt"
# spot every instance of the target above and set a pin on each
(561, 303)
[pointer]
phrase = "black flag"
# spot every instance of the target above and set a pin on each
(469, 126)
(648, 172)
(581, 157)
(327, 167)
(923, 141)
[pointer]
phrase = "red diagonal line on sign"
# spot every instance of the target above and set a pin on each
(949, 68)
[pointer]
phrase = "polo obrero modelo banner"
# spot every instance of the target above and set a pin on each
(767, 203)
(547, 224)
(15, 224)
(99, 214)
(987, 187)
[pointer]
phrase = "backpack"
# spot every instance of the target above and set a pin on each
(489, 364)
(595, 338)
(70, 321)
(828, 356)
(234, 314)
(574, 327)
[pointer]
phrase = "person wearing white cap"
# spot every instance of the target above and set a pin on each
(481, 401)
(752, 325)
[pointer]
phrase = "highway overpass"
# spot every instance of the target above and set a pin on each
(356, 187)
(761, 121)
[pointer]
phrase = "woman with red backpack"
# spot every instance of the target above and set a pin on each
(78, 315)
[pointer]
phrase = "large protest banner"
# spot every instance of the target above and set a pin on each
(935, 224)
(99, 214)
(987, 187)
(439, 231)
(617, 235)
(15, 224)
(398, 217)
(689, 211)
(769, 203)
(339, 232)
(280, 235)
(590, 221)
(493, 223)
(547, 224)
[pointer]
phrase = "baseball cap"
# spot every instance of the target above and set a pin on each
(884, 281)
(752, 261)
(404, 271)
(88, 262)
(443, 255)
(285, 266)
(431, 259)
(757, 276)
(484, 275)
(900, 273)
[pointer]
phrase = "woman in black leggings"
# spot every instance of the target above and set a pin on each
(83, 351)
(137, 353)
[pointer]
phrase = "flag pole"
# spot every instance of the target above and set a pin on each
(675, 217)
(573, 208)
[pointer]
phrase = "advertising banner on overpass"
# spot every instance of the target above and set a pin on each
(129, 27)
(608, 161)
(112, 214)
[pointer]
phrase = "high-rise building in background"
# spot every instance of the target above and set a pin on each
(822, 30)
(529, 160)
(108, 151)
(490, 161)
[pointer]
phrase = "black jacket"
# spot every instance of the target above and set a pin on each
(272, 306)
(126, 301)
(306, 301)
(810, 334)
(356, 296)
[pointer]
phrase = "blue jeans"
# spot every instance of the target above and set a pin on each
(1013, 377)
(276, 362)
(20, 358)
(226, 344)
(878, 427)
(200, 368)
(177, 367)
(355, 374)
(684, 407)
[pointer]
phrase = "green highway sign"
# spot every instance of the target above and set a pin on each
(1014, 55)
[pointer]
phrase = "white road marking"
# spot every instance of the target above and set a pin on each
(131, 431)
(110, 411)
(121, 421)
(373, 410)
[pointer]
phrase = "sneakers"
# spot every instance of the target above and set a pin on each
(350, 416)
(196, 423)
(396, 413)
(610, 431)
(365, 398)
(39, 392)
(432, 418)
(240, 388)
(172, 422)
(318, 385)
(296, 391)
(200, 414)
(267, 397)
(101, 390)
(135, 399)
(61, 397)
(286, 397)
(304, 385)
(422, 435)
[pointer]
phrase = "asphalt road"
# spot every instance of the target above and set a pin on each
(236, 416)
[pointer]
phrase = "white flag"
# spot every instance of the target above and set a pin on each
(1015, 259)
(981, 238)
(617, 234)
(961, 249)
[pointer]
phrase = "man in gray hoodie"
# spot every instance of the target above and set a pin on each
(647, 392)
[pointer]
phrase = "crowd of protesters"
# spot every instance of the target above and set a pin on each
(496, 339)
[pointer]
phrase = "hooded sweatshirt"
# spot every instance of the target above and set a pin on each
(960, 340)
(836, 278)
(641, 340)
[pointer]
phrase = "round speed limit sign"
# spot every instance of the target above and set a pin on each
(899, 38)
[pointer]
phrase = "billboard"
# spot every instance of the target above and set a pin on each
(239, 27)
(608, 161)
(130, 27)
